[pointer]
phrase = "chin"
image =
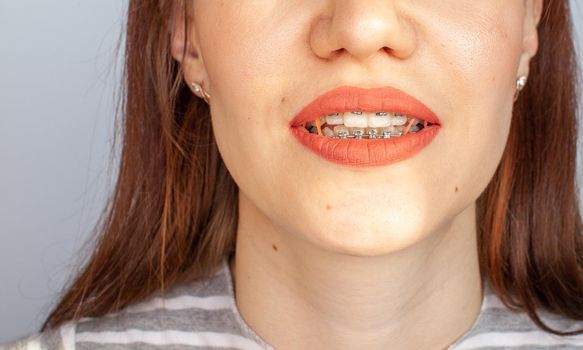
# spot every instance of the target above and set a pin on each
(360, 238)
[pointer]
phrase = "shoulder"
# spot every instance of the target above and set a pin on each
(499, 327)
(60, 338)
(199, 314)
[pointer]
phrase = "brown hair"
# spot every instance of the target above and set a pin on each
(173, 214)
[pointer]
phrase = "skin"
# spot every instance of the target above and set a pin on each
(334, 257)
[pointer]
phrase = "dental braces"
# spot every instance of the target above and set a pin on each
(412, 126)
(371, 134)
(359, 133)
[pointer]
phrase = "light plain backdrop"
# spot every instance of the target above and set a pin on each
(57, 81)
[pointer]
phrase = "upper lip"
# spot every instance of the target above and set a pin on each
(381, 99)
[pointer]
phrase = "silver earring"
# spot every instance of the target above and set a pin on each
(520, 84)
(201, 92)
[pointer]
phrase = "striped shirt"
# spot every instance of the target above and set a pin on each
(203, 315)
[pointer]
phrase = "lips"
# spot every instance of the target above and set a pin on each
(365, 152)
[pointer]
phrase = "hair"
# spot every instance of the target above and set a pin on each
(173, 213)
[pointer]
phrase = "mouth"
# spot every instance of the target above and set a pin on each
(365, 127)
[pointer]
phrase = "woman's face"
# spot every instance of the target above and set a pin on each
(262, 61)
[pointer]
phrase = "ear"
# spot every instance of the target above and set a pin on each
(184, 45)
(530, 43)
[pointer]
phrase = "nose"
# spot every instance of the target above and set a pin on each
(361, 29)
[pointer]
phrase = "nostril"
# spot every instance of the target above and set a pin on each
(337, 53)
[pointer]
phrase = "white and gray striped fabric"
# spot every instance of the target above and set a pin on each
(203, 315)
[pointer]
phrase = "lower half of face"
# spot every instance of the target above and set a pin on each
(262, 71)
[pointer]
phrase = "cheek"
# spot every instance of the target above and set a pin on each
(476, 51)
(248, 56)
(477, 63)
(247, 63)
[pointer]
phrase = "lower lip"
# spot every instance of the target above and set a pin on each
(366, 152)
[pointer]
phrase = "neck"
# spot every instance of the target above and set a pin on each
(296, 295)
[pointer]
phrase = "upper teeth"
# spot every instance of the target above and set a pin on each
(366, 119)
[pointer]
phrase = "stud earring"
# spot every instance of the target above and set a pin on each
(520, 84)
(201, 92)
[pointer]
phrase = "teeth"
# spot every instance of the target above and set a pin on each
(328, 132)
(334, 119)
(392, 131)
(398, 120)
(396, 130)
(366, 125)
(341, 131)
(363, 120)
(355, 120)
(358, 133)
(379, 120)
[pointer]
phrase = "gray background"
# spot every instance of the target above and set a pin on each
(58, 74)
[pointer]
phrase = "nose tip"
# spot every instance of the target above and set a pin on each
(362, 28)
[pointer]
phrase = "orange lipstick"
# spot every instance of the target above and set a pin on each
(365, 152)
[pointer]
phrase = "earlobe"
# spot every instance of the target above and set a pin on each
(530, 43)
(523, 65)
